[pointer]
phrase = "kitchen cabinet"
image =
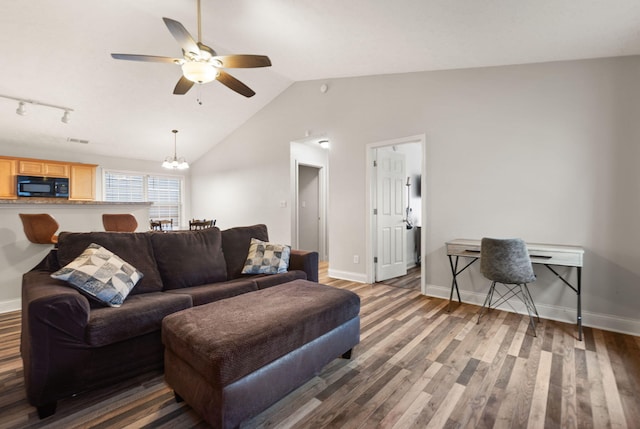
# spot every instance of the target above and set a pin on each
(43, 168)
(8, 189)
(82, 182)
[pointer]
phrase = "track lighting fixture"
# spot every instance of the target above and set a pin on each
(174, 162)
(22, 110)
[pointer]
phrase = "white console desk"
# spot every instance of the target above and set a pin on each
(543, 254)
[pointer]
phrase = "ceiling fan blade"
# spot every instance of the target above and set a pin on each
(147, 58)
(234, 84)
(182, 36)
(183, 86)
(243, 61)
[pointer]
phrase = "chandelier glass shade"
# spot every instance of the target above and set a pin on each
(173, 162)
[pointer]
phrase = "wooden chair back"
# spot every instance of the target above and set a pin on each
(125, 222)
(161, 224)
(195, 224)
(40, 228)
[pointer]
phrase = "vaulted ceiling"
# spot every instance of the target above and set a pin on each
(58, 52)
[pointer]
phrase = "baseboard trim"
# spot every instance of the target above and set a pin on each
(347, 275)
(10, 305)
(607, 322)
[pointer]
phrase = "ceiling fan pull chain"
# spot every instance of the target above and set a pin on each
(199, 98)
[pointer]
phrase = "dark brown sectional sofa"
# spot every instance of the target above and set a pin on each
(71, 344)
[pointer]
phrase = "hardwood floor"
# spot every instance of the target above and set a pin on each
(417, 366)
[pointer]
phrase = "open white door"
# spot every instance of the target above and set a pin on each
(390, 227)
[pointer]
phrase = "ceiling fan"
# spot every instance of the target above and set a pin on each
(201, 64)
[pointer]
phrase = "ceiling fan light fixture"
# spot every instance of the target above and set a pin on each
(199, 72)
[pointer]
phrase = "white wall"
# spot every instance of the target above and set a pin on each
(547, 152)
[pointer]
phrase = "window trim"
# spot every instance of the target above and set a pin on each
(146, 174)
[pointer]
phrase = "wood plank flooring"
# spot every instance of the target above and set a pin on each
(417, 366)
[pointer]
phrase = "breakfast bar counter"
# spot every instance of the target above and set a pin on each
(18, 255)
(63, 201)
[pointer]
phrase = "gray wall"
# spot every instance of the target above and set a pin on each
(547, 152)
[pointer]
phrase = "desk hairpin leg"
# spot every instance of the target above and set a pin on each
(578, 291)
(454, 281)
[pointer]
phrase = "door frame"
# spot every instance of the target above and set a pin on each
(307, 152)
(370, 185)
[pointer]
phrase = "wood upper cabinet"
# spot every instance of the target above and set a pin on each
(8, 189)
(43, 168)
(82, 182)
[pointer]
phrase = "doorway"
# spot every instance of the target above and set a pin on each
(404, 238)
(309, 179)
(309, 208)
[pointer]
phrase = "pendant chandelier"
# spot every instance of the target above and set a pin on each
(173, 162)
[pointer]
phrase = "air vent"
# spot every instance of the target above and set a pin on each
(72, 140)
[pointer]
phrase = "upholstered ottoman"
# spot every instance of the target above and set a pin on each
(231, 359)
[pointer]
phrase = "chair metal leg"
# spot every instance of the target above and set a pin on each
(521, 291)
(528, 302)
(526, 288)
(487, 300)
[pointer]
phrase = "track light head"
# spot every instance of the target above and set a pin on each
(65, 117)
(21, 110)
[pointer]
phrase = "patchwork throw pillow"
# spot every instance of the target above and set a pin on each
(266, 258)
(100, 274)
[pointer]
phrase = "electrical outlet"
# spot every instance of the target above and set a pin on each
(356, 259)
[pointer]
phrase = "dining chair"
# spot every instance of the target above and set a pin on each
(507, 262)
(40, 228)
(122, 222)
(161, 224)
(195, 224)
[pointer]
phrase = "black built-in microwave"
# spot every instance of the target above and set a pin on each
(47, 187)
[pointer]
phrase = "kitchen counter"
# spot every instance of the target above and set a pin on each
(62, 201)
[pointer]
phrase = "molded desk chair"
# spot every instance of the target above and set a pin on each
(507, 262)
(40, 228)
(119, 222)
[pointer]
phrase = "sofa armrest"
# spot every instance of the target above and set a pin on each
(305, 261)
(54, 320)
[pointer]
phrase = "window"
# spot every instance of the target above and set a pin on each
(165, 192)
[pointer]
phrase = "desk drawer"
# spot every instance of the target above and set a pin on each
(463, 249)
(556, 258)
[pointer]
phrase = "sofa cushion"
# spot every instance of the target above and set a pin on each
(100, 274)
(189, 258)
(205, 294)
(264, 281)
(139, 315)
(235, 244)
(133, 247)
(266, 258)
